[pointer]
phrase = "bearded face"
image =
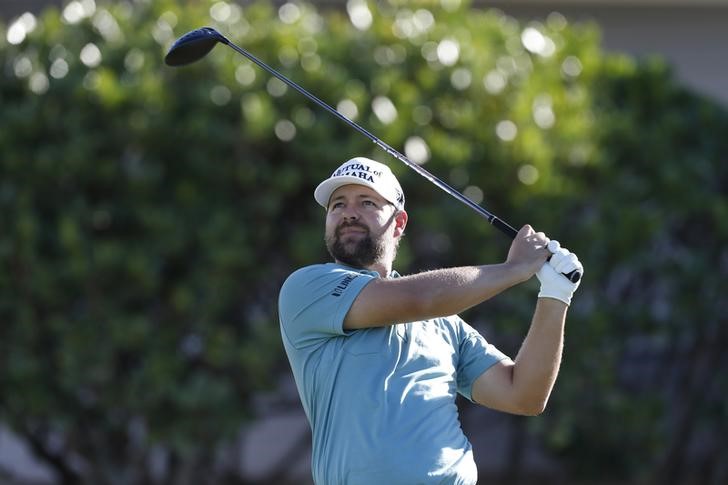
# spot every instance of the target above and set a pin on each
(353, 244)
(363, 229)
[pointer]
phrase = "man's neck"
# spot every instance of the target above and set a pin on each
(383, 269)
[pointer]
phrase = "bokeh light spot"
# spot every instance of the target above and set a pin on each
(310, 62)
(245, 74)
(38, 83)
(543, 113)
(304, 117)
(18, 30)
(417, 150)
(276, 87)
(348, 108)
(289, 13)
(528, 174)
(90, 55)
(461, 78)
(78, 10)
(220, 95)
(220, 11)
(22, 67)
(59, 69)
(474, 193)
(448, 52)
(537, 43)
(494, 82)
(285, 130)
(359, 14)
(384, 109)
(134, 60)
(506, 130)
(571, 66)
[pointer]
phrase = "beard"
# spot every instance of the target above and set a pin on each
(360, 253)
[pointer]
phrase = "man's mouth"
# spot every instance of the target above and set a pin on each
(351, 229)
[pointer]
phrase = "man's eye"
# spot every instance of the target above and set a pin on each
(369, 203)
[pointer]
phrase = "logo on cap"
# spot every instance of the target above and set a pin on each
(357, 170)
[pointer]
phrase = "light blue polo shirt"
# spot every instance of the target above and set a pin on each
(380, 401)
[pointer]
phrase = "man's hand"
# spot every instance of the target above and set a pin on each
(553, 283)
(528, 252)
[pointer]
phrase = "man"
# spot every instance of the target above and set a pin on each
(378, 358)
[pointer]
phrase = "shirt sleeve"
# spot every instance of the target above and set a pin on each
(314, 301)
(476, 356)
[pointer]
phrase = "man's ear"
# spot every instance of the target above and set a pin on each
(400, 221)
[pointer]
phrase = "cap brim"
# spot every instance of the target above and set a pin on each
(323, 192)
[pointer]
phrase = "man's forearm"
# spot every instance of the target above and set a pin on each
(453, 290)
(538, 361)
(431, 294)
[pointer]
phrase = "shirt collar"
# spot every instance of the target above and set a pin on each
(392, 274)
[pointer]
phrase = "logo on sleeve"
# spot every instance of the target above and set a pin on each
(339, 290)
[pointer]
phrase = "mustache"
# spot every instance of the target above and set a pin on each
(345, 225)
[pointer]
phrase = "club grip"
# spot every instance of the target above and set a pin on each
(510, 231)
(574, 276)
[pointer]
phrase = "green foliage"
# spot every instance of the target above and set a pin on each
(149, 214)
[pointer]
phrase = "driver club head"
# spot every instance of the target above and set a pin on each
(193, 46)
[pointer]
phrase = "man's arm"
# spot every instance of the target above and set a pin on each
(445, 292)
(524, 386)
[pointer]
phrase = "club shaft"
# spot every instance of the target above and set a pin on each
(493, 219)
(503, 226)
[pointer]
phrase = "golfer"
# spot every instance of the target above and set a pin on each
(378, 358)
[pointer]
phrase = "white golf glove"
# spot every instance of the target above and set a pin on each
(553, 283)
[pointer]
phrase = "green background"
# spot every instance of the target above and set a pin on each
(148, 216)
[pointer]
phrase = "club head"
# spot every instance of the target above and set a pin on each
(193, 45)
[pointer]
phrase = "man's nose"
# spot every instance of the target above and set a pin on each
(349, 213)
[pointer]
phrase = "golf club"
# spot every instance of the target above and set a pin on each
(198, 43)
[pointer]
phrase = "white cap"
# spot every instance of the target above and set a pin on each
(362, 171)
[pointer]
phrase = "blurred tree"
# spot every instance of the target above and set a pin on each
(149, 215)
